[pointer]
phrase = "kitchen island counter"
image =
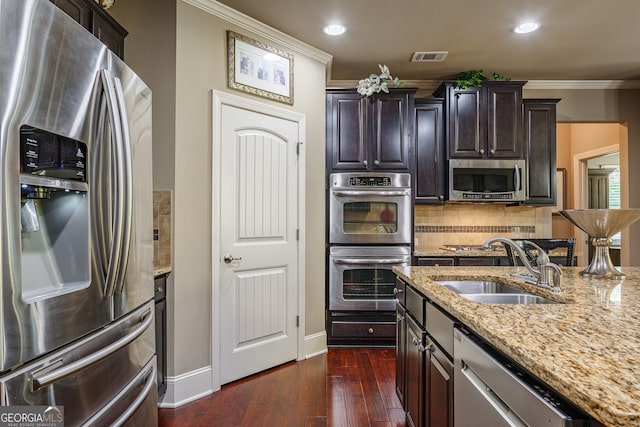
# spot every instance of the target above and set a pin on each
(587, 347)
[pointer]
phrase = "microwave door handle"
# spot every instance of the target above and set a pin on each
(118, 211)
(126, 180)
(516, 172)
(357, 261)
(348, 193)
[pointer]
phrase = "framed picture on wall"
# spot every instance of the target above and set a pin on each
(561, 190)
(259, 69)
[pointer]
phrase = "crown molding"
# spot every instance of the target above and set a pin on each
(583, 84)
(262, 30)
(531, 84)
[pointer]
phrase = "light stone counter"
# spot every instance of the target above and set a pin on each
(448, 253)
(587, 348)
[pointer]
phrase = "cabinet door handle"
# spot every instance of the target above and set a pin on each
(492, 151)
(482, 151)
(371, 330)
(400, 317)
(364, 162)
(415, 341)
(376, 162)
(421, 348)
(397, 291)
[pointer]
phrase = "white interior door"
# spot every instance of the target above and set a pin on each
(258, 242)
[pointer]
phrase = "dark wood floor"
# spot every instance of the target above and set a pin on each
(347, 387)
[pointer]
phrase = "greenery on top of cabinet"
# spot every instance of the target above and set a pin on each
(464, 79)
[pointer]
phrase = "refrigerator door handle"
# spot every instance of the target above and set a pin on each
(44, 377)
(119, 209)
(146, 376)
(127, 186)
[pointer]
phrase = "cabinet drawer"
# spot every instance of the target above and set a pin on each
(415, 304)
(363, 329)
(399, 291)
(440, 327)
(485, 260)
(160, 288)
(436, 262)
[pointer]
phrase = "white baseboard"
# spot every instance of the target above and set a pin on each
(187, 387)
(315, 344)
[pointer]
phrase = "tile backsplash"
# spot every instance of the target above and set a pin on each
(472, 224)
(162, 229)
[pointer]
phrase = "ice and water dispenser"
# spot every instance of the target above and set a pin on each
(54, 214)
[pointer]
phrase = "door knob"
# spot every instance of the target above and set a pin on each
(228, 259)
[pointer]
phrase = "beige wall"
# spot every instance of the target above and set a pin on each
(198, 67)
(577, 139)
(150, 49)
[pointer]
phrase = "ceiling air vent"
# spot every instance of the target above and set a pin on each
(429, 56)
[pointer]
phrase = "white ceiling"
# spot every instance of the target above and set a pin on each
(577, 40)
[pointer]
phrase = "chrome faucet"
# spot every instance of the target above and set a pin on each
(547, 274)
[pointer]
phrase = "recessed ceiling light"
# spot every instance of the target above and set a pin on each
(334, 29)
(526, 27)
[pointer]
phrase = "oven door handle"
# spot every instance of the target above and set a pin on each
(356, 261)
(371, 193)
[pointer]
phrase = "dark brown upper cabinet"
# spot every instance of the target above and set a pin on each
(539, 117)
(97, 21)
(485, 121)
(429, 172)
(369, 134)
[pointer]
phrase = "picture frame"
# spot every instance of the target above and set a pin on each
(561, 190)
(259, 69)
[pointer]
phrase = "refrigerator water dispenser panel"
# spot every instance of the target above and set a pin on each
(54, 215)
(46, 154)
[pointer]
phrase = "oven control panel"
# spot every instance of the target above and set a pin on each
(370, 181)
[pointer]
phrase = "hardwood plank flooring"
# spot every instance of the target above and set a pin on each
(352, 387)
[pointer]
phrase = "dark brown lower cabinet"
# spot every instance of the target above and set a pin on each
(160, 297)
(401, 349)
(414, 376)
(424, 372)
(439, 387)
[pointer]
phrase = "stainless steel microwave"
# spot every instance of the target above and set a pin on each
(487, 180)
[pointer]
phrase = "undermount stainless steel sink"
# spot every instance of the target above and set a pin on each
(479, 287)
(489, 292)
(508, 298)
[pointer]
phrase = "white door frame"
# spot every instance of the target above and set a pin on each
(218, 100)
(581, 199)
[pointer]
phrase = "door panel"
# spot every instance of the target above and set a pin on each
(259, 206)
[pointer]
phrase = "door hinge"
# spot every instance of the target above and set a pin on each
(297, 234)
(297, 321)
(298, 148)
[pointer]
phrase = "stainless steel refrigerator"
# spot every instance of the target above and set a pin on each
(76, 302)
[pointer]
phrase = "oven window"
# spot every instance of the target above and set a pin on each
(370, 218)
(368, 283)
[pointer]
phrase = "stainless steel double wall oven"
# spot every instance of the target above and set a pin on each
(369, 233)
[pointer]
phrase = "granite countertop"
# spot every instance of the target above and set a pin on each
(159, 271)
(440, 252)
(587, 348)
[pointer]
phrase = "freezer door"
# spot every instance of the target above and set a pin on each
(113, 369)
